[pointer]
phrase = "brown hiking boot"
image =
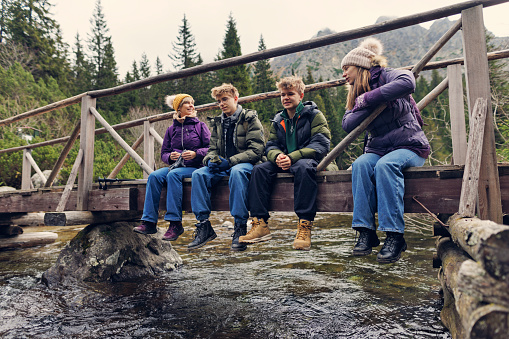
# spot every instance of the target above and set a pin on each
(303, 238)
(259, 232)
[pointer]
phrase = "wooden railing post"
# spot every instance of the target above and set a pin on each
(26, 171)
(86, 169)
(148, 147)
(457, 110)
(478, 86)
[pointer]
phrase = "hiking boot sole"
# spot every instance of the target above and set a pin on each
(145, 232)
(175, 237)
(391, 260)
(212, 237)
(239, 249)
(362, 253)
(302, 248)
(253, 241)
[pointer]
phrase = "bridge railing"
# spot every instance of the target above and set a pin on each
(476, 70)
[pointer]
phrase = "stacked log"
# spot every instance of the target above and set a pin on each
(475, 278)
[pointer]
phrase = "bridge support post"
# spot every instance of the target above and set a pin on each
(86, 169)
(457, 110)
(478, 86)
(26, 171)
(148, 147)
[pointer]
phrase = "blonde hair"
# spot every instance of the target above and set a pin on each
(291, 82)
(360, 86)
(224, 89)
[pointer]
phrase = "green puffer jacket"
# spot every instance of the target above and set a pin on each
(247, 138)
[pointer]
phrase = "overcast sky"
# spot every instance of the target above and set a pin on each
(150, 26)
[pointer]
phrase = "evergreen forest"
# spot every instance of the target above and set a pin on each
(38, 68)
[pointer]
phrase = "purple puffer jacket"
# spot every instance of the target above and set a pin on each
(196, 137)
(396, 127)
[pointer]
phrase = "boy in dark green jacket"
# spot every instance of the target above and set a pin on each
(299, 138)
(236, 145)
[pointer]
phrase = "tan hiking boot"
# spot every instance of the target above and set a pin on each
(259, 232)
(303, 238)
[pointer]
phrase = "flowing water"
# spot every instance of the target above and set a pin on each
(268, 291)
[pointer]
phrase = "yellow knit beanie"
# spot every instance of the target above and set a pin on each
(177, 100)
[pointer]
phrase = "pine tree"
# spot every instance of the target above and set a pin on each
(104, 65)
(28, 23)
(103, 58)
(185, 56)
(264, 81)
(81, 69)
(238, 76)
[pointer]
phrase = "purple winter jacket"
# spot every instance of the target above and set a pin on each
(196, 137)
(396, 127)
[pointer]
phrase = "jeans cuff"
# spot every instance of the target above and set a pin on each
(355, 226)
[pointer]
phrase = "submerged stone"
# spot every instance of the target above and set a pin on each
(111, 252)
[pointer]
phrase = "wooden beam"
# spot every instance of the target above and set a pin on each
(121, 141)
(10, 230)
(441, 87)
(70, 218)
(485, 241)
(28, 240)
(156, 136)
(70, 182)
(478, 86)
(41, 110)
(26, 172)
(86, 170)
(112, 199)
(126, 157)
(457, 110)
(436, 47)
(470, 185)
(63, 155)
(36, 168)
(148, 147)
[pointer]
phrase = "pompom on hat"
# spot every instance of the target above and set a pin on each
(363, 55)
(174, 101)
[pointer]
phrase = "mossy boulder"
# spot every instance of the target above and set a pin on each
(111, 252)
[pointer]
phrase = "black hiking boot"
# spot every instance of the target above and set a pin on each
(367, 240)
(202, 235)
(391, 250)
(240, 229)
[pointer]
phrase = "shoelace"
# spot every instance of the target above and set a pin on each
(254, 225)
(303, 231)
(390, 243)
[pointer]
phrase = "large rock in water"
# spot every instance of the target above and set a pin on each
(111, 252)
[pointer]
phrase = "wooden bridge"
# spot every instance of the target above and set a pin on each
(473, 185)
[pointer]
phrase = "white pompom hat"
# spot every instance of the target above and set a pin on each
(363, 55)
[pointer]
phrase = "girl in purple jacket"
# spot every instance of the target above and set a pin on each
(184, 146)
(395, 142)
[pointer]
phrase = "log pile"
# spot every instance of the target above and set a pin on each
(475, 278)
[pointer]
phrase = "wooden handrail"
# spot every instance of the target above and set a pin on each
(251, 98)
(326, 40)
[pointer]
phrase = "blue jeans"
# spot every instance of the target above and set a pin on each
(173, 180)
(204, 179)
(378, 186)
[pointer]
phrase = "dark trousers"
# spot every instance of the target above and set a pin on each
(304, 189)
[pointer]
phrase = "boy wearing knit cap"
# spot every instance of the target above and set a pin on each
(396, 142)
(299, 138)
(236, 144)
